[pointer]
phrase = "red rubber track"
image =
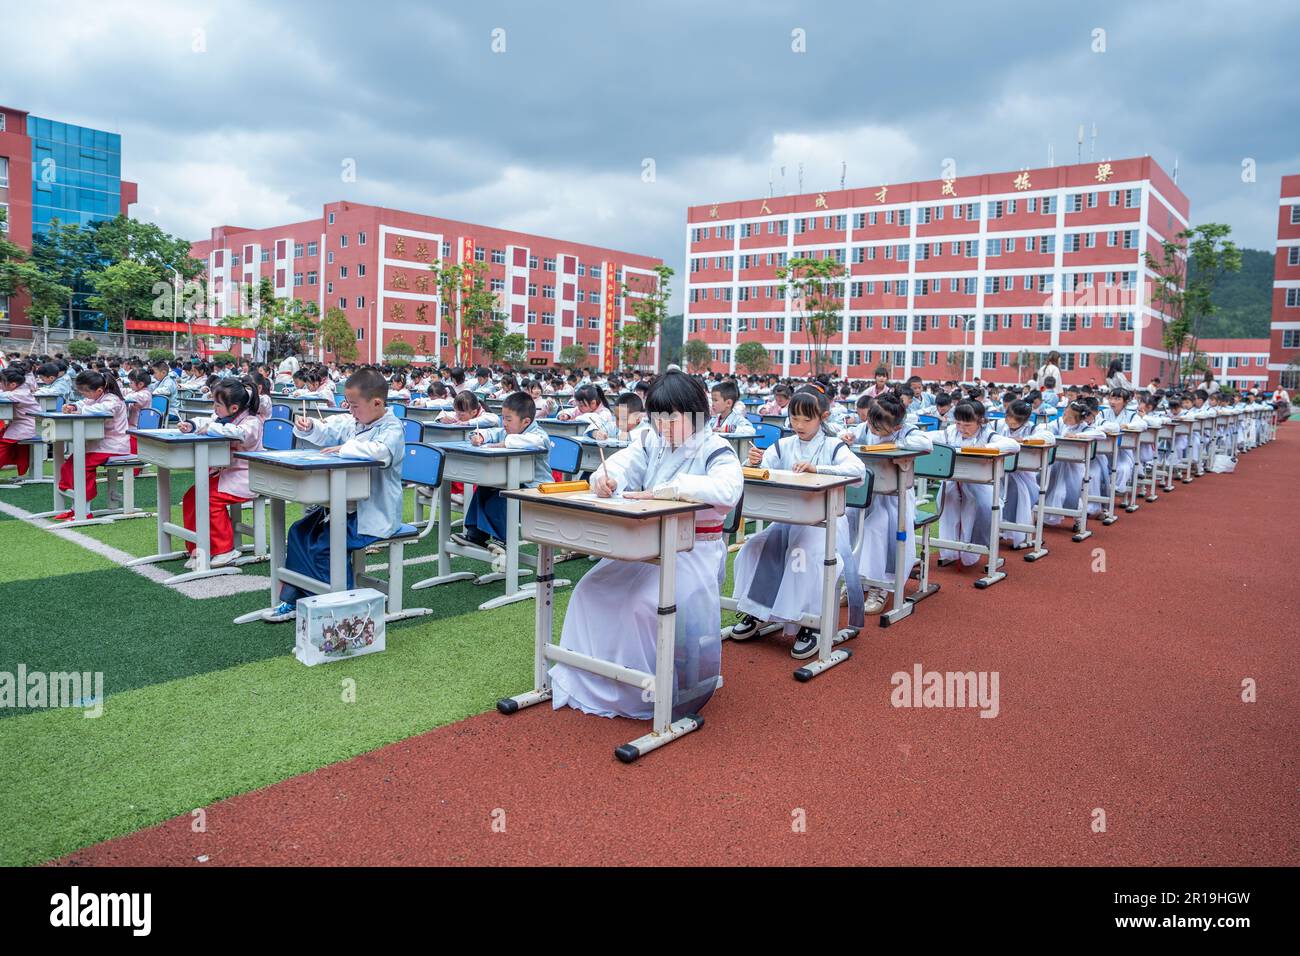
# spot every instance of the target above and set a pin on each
(1119, 691)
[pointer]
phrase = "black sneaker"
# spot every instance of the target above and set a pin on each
(745, 628)
(471, 537)
(805, 644)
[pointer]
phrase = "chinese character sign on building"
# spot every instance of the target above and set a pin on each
(611, 324)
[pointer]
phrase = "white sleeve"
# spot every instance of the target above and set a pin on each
(626, 467)
(720, 487)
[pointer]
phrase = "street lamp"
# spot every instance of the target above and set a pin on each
(967, 324)
(176, 317)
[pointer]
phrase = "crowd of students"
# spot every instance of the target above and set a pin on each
(673, 427)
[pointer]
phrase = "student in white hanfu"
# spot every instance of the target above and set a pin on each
(613, 614)
(968, 508)
(883, 423)
(778, 572)
(1022, 484)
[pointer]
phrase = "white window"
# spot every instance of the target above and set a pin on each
(361, 238)
(343, 241)
(332, 223)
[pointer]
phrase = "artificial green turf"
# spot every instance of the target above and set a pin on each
(170, 747)
(30, 554)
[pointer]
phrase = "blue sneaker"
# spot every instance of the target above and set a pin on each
(281, 612)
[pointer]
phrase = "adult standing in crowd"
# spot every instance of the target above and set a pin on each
(1115, 377)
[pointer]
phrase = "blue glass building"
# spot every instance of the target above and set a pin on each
(76, 173)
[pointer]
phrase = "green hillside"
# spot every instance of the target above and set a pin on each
(1243, 299)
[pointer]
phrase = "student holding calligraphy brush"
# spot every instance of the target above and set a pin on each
(613, 611)
(883, 423)
(1022, 485)
(968, 507)
(770, 585)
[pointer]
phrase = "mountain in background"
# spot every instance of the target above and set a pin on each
(1243, 300)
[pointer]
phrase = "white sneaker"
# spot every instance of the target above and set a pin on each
(221, 560)
(192, 563)
(875, 602)
(458, 500)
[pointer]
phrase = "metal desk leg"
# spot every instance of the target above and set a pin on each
(665, 730)
(543, 634)
(902, 606)
(1081, 532)
(338, 530)
(830, 616)
(1039, 550)
(277, 561)
(993, 575)
(445, 574)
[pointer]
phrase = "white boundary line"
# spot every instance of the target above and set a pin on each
(222, 586)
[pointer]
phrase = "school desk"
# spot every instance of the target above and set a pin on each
(424, 413)
(305, 406)
(59, 430)
(806, 498)
(590, 450)
(308, 477)
(193, 406)
(567, 428)
(169, 450)
(1076, 450)
(436, 432)
(494, 404)
(328, 411)
(51, 401)
(1163, 463)
(622, 529)
(893, 475)
(1129, 440)
(1147, 439)
(6, 410)
(777, 420)
(1105, 452)
(980, 469)
(483, 466)
(1036, 458)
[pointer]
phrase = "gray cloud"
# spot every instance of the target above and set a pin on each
(550, 135)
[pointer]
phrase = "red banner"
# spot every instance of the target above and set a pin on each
(146, 325)
(611, 315)
(466, 350)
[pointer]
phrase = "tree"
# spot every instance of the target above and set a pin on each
(289, 325)
(1190, 264)
(161, 355)
(649, 304)
(398, 352)
(337, 335)
(697, 355)
(123, 289)
(574, 355)
(82, 348)
(510, 348)
(815, 289)
(470, 302)
(753, 357)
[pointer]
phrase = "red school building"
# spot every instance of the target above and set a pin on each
(374, 264)
(973, 272)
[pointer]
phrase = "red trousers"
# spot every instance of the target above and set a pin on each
(12, 453)
(223, 535)
(93, 460)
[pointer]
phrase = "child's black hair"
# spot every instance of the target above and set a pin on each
(631, 401)
(14, 376)
(886, 413)
(138, 376)
(969, 410)
(728, 391)
(237, 394)
(809, 402)
(466, 401)
(589, 393)
(369, 383)
(1019, 410)
(97, 380)
(521, 404)
(675, 392)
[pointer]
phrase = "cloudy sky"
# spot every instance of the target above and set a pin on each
(244, 113)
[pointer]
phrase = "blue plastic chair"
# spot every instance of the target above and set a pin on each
(277, 434)
(413, 430)
(150, 418)
(996, 415)
(756, 419)
(162, 405)
(399, 411)
(928, 420)
(765, 434)
(281, 413)
(421, 466)
(566, 455)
